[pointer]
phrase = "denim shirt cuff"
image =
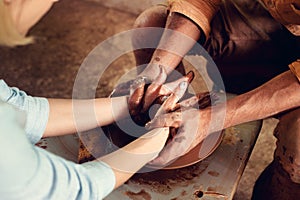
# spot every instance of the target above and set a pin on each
(37, 118)
(35, 108)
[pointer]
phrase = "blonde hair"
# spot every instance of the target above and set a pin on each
(9, 35)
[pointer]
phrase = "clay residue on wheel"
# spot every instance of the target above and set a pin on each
(162, 181)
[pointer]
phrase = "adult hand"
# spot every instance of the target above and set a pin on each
(143, 95)
(144, 92)
(149, 74)
(188, 128)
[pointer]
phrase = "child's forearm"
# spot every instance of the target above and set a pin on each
(67, 116)
(128, 160)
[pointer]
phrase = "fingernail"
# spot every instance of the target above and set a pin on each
(164, 98)
(183, 85)
(148, 125)
(139, 80)
(137, 83)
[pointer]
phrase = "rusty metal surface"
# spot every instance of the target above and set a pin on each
(216, 177)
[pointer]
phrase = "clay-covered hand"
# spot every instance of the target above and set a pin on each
(144, 94)
(152, 72)
(188, 126)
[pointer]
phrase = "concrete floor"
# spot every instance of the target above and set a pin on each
(64, 37)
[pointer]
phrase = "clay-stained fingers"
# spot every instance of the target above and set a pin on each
(167, 88)
(204, 100)
(200, 101)
(173, 119)
(136, 95)
(152, 91)
(184, 139)
(121, 89)
(171, 102)
(172, 92)
(190, 102)
(174, 148)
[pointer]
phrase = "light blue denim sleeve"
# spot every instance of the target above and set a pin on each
(36, 109)
(30, 172)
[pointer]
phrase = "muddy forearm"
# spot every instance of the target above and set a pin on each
(279, 94)
(179, 37)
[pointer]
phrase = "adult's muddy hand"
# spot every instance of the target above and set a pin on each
(143, 95)
(188, 127)
(149, 74)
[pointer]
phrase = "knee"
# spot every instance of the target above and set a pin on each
(152, 17)
(288, 143)
(289, 125)
(144, 34)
